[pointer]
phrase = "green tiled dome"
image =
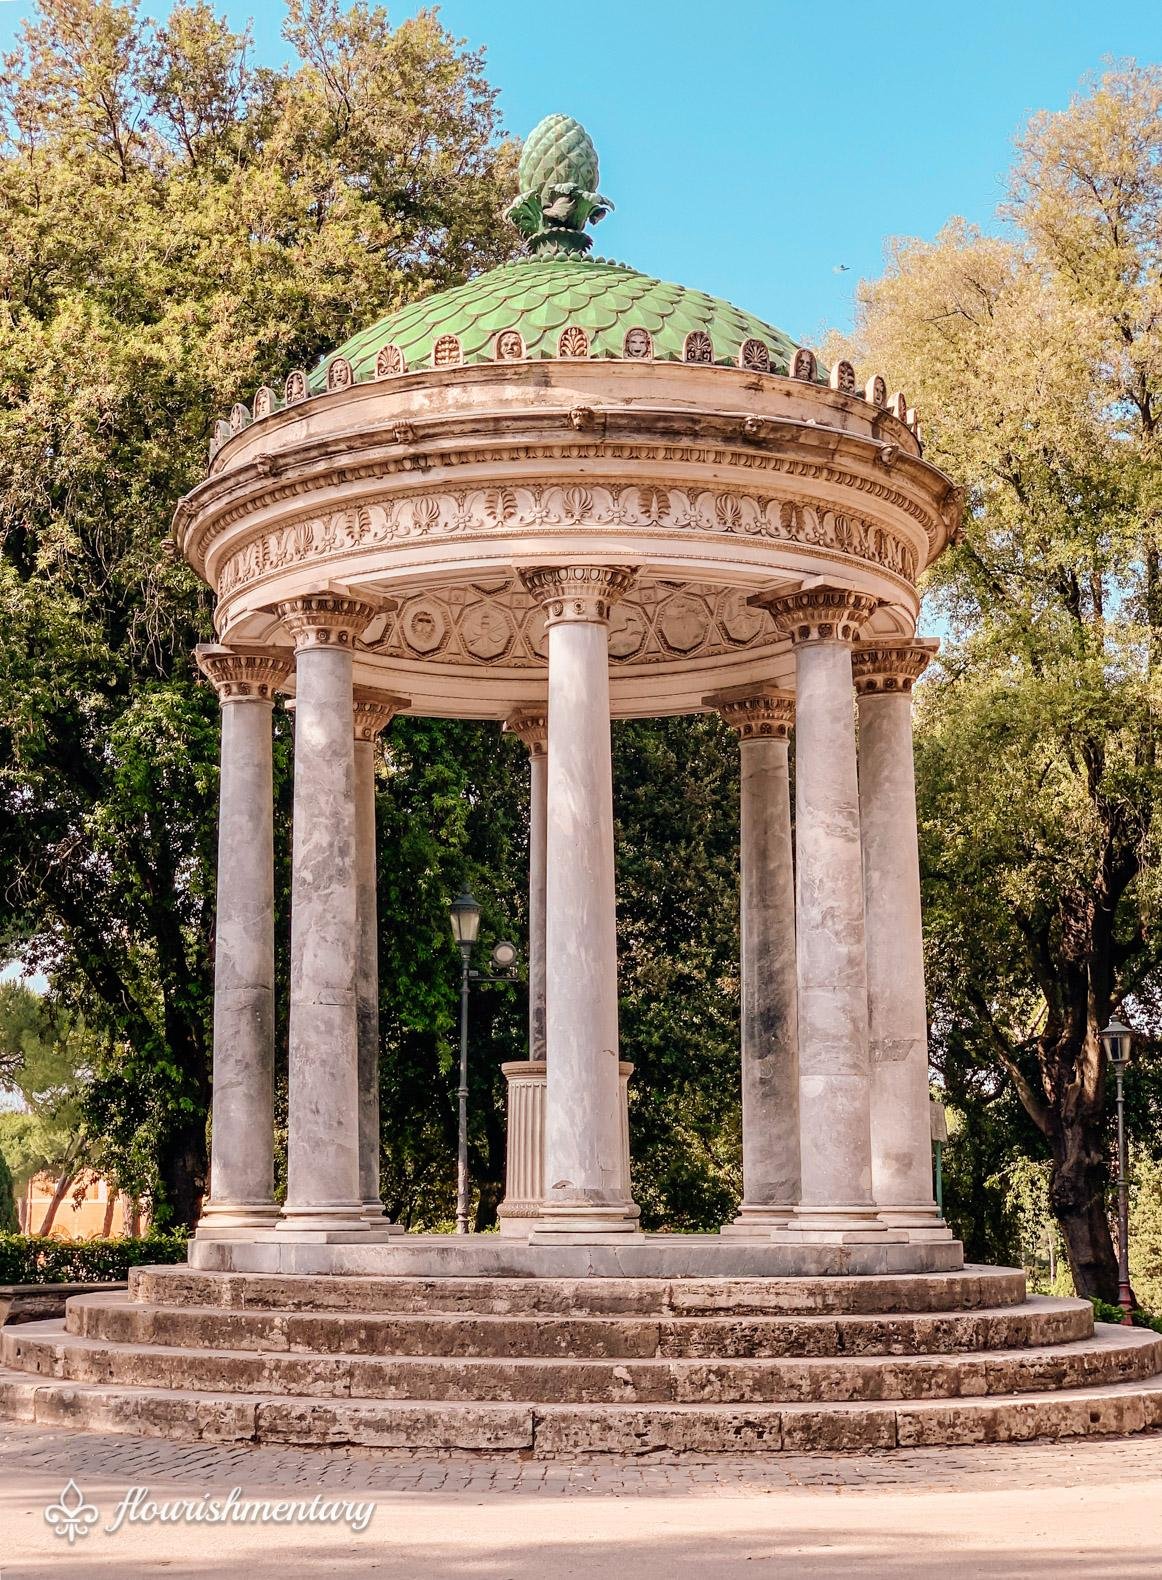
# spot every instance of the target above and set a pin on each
(542, 296)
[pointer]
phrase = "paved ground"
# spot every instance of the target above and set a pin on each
(1086, 1511)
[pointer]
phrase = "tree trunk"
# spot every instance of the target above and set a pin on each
(107, 1226)
(182, 1169)
(1077, 1199)
(63, 1186)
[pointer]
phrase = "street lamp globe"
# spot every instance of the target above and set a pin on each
(504, 955)
(464, 914)
(1117, 1039)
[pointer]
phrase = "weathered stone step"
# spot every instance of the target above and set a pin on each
(1040, 1321)
(567, 1431)
(1112, 1355)
(972, 1289)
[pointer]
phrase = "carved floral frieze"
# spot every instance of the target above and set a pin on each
(516, 509)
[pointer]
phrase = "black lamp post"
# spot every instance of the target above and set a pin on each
(465, 918)
(464, 914)
(1118, 1039)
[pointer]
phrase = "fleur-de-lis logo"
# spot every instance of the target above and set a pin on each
(72, 1516)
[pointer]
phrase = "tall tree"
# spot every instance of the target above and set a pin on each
(46, 1057)
(176, 227)
(1037, 364)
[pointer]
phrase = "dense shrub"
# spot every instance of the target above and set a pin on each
(1104, 1312)
(39, 1259)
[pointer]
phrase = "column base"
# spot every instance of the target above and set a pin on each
(584, 1220)
(331, 1223)
(376, 1214)
(853, 1223)
(921, 1223)
(517, 1219)
(229, 1219)
(758, 1219)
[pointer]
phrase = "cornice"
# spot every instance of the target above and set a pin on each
(404, 455)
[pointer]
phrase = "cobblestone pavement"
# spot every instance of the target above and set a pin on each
(1086, 1510)
(25, 1449)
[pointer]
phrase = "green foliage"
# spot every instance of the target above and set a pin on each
(47, 1056)
(1146, 1229)
(177, 227)
(1037, 362)
(37, 1259)
(9, 1221)
(452, 813)
(676, 798)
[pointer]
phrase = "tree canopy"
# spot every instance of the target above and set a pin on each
(178, 225)
(1036, 361)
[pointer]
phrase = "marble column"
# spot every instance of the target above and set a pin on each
(763, 716)
(373, 712)
(836, 1203)
(586, 1188)
(884, 672)
(241, 1196)
(324, 1196)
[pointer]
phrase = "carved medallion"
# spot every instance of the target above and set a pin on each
(424, 626)
(487, 632)
(683, 623)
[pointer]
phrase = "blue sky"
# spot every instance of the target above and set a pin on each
(753, 146)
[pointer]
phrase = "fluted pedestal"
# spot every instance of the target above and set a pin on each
(525, 1151)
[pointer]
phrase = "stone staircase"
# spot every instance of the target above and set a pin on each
(565, 1367)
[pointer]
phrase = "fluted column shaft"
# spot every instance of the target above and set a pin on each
(770, 1044)
(585, 1184)
(834, 1072)
(897, 1009)
(324, 1195)
(373, 712)
(242, 1151)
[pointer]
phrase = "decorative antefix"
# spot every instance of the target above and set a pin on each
(563, 493)
(571, 492)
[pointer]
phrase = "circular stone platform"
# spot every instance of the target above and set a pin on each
(557, 1368)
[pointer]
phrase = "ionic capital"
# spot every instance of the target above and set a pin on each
(325, 620)
(243, 674)
(884, 667)
(818, 614)
(374, 711)
(577, 592)
(530, 725)
(757, 713)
